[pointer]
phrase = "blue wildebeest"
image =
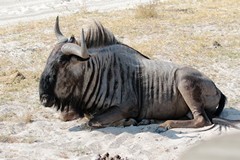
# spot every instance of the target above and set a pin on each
(114, 84)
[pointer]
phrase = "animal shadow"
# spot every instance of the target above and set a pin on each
(228, 113)
(151, 129)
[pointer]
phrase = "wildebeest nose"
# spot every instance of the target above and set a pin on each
(46, 100)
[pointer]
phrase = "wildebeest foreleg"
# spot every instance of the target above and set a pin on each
(69, 115)
(114, 116)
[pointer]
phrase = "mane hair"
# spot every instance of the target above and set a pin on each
(98, 36)
(70, 103)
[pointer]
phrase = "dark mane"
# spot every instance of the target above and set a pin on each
(98, 36)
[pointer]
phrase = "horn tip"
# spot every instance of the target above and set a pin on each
(57, 22)
(57, 18)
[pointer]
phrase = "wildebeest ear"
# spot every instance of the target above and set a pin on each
(58, 33)
(72, 39)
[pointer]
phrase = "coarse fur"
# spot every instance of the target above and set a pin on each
(98, 36)
(117, 85)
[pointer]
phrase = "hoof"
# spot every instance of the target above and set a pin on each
(130, 122)
(69, 116)
(164, 127)
(144, 122)
(94, 124)
(161, 129)
(166, 124)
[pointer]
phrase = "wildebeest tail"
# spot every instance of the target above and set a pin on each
(221, 105)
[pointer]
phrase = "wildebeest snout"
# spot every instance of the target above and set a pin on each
(46, 100)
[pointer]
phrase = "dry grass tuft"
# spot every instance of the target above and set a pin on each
(147, 10)
(26, 118)
(8, 139)
(7, 117)
(83, 7)
(14, 139)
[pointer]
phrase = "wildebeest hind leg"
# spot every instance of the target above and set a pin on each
(191, 93)
(114, 116)
(197, 122)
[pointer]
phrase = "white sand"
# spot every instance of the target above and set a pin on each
(12, 11)
(49, 138)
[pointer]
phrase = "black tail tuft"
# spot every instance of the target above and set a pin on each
(221, 105)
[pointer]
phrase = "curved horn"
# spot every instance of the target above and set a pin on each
(83, 45)
(58, 33)
(72, 48)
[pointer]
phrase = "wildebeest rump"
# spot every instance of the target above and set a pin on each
(115, 84)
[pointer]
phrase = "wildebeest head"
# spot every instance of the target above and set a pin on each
(59, 76)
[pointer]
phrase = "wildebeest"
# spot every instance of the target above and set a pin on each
(114, 84)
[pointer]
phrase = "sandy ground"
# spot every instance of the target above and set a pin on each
(32, 133)
(52, 139)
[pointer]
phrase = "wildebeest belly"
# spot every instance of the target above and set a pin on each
(166, 110)
(160, 98)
